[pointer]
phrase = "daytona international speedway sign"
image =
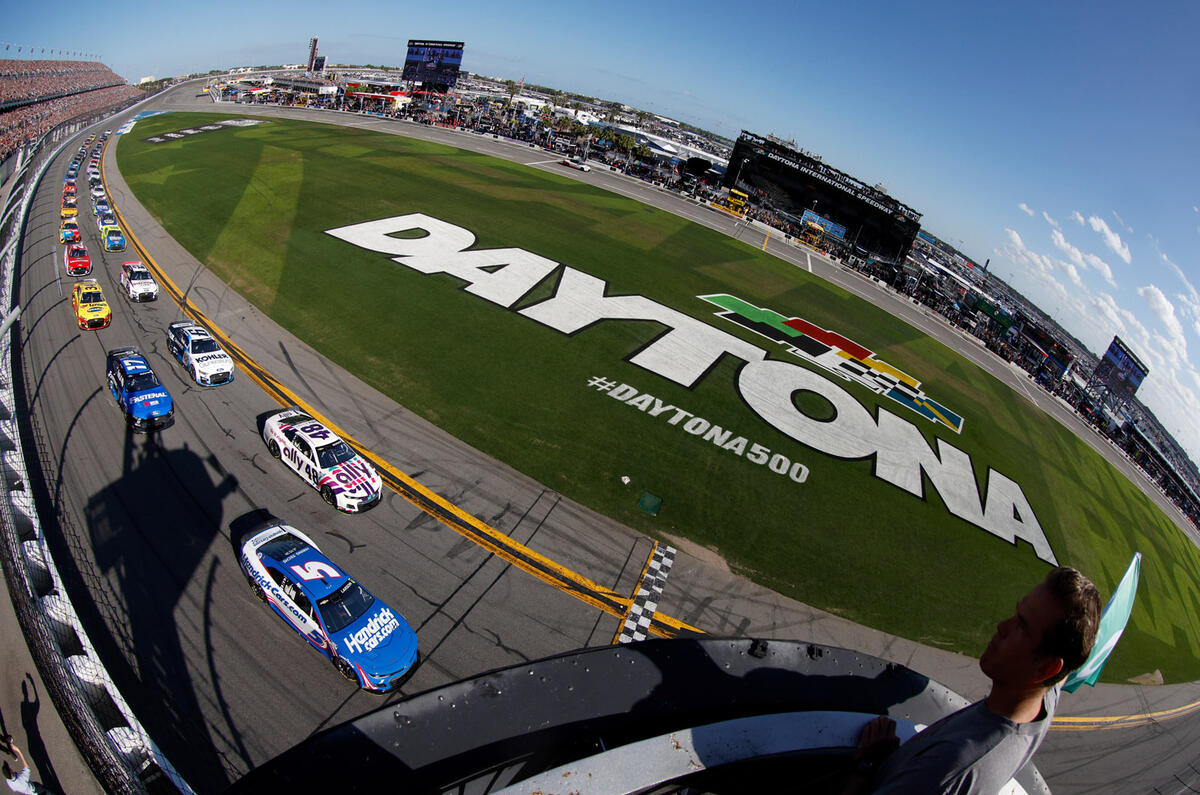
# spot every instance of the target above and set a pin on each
(690, 348)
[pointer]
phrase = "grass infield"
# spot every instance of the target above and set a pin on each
(253, 204)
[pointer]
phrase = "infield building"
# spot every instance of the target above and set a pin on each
(804, 194)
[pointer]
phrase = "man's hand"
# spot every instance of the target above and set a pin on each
(877, 741)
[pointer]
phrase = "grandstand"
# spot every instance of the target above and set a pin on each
(36, 96)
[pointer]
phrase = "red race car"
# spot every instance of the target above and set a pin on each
(78, 261)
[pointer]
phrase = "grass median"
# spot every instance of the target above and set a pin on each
(253, 204)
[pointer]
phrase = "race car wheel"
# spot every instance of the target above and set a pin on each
(192, 372)
(345, 669)
(259, 593)
(273, 448)
(327, 495)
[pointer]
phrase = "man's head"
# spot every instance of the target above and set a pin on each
(1050, 635)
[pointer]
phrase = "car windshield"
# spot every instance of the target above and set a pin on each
(331, 455)
(139, 276)
(141, 382)
(344, 606)
(91, 297)
(205, 346)
(78, 252)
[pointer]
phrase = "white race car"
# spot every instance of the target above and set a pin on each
(196, 350)
(577, 164)
(137, 282)
(318, 455)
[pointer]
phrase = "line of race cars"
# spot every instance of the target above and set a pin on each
(367, 641)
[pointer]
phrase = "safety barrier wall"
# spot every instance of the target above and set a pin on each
(117, 748)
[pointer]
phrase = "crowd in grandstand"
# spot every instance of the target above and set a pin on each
(36, 96)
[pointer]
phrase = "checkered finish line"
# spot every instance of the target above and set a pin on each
(645, 602)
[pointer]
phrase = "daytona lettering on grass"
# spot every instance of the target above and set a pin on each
(700, 427)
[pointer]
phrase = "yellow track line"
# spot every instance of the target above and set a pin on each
(1071, 723)
(443, 510)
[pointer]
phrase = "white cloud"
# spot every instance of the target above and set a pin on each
(1018, 252)
(1073, 254)
(1101, 267)
(1174, 344)
(1049, 220)
(1080, 259)
(1111, 238)
(1077, 218)
(1121, 221)
(1072, 274)
(1189, 299)
(1023, 207)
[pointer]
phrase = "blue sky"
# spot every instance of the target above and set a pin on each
(1057, 139)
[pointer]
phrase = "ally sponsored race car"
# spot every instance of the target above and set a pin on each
(143, 399)
(320, 457)
(196, 350)
(367, 641)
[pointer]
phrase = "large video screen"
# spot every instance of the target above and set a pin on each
(1121, 370)
(433, 62)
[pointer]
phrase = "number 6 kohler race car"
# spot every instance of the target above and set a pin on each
(196, 350)
(319, 456)
(368, 642)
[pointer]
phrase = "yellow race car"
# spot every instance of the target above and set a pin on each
(69, 208)
(91, 310)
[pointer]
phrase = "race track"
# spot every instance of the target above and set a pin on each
(144, 528)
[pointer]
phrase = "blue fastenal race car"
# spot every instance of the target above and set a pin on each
(368, 642)
(144, 400)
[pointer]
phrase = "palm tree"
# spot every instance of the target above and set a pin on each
(641, 116)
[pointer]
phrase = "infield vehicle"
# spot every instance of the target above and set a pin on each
(69, 232)
(144, 401)
(367, 641)
(77, 260)
(199, 353)
(137, 282)
(577, 164)
(91, 310)
(114, 238)
(346, 480)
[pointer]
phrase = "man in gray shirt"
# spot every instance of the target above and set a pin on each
(980, 747)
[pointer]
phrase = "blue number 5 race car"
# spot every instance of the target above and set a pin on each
(368, 642)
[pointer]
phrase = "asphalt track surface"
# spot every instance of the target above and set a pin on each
(144, 527)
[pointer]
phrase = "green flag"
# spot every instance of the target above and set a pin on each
(1112, 624)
